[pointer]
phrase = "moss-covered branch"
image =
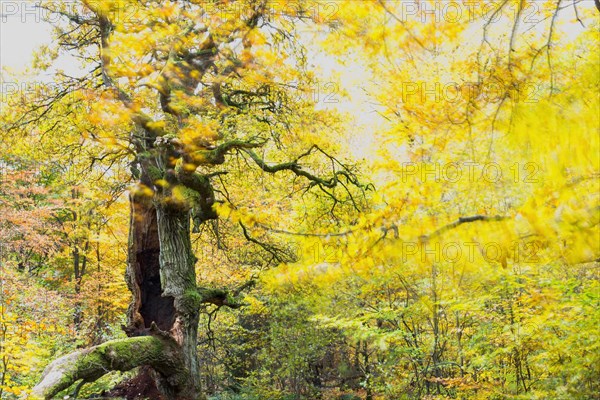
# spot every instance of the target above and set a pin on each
(224, 297)
(116, 355)
(218, 297)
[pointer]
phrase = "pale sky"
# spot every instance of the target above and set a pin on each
(23, 29)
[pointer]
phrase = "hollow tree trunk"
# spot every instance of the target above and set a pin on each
(162, 279)
(143, 271)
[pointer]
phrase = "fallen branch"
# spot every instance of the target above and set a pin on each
(116, 355)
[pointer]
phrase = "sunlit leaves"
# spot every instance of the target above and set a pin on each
(481, 121)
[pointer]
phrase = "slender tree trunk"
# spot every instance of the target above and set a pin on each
(79, 267)
(77, 306)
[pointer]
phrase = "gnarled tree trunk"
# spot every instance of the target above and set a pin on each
(178, 276)
(161, 276)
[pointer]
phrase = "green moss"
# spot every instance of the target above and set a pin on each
(89, 365)
(120, 353)
(192, 299)
(207, 293)
(230, 299)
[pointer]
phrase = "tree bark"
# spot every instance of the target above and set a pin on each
(178, 276)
